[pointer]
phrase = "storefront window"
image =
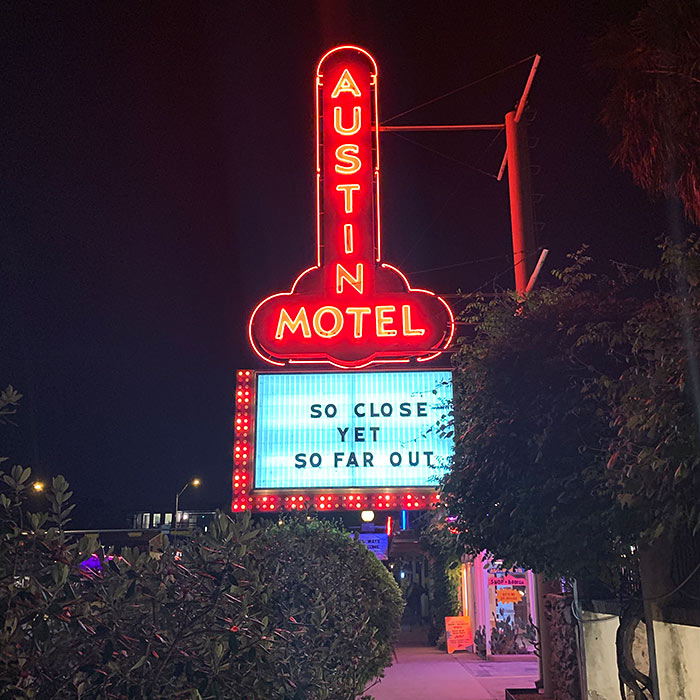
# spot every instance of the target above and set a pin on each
(511, 631)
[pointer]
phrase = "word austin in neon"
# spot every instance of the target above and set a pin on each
(350, 309)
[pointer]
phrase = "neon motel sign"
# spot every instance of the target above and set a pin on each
(350, 309)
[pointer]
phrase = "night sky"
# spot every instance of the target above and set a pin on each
(157, 182)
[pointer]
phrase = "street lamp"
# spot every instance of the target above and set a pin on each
(38, 486)
(196, 481)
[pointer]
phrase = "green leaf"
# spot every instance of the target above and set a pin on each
(139, 663)
(59, 573)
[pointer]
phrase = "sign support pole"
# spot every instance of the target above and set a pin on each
(521, 209)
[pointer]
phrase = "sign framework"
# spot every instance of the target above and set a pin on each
(396, 477)
(350, 310)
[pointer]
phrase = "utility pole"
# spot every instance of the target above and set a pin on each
(522, 219)
(521, 209)
(517, 157)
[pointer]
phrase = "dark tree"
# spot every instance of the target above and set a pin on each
(652, 110)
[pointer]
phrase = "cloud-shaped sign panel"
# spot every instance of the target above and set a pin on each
(391, 323)
(350, 309)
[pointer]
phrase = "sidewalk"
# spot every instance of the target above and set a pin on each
(425, 673)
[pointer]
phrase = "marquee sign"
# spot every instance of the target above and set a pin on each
(340, 440)
(350, 309)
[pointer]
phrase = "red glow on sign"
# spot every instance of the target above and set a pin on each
(349, 295)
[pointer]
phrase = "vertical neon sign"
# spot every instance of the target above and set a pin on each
(350, 309)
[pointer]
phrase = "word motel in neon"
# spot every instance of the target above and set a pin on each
(350, 309)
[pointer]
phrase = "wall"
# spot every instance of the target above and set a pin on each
(599, 631)
(677, 660)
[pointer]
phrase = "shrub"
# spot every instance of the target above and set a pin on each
(281, 613)
(443, 554)
(346, 605)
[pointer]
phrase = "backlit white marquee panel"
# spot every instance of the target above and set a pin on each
(340, 440)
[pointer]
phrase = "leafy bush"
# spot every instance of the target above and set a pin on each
(528, 482)
(290, 612)
(346, 607)
(443, 554)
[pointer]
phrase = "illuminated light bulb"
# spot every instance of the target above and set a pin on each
(367, 516)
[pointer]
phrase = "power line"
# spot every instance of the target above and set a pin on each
(459, 89)
(466, 262)
(444, 155)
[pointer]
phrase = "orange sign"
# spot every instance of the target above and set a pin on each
(458, 633)
(508, 595)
